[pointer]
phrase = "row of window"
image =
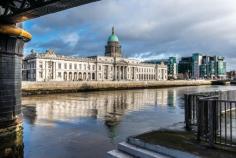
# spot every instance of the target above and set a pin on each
(80, 66)
(93, 67)
(29, 65)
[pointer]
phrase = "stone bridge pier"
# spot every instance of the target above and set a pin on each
(12, 39)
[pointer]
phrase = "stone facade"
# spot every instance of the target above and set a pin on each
(49, 66)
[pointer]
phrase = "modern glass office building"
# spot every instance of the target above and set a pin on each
(201, 66)
(185, 67)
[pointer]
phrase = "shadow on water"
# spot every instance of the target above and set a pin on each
(73, 124)
(11, 143)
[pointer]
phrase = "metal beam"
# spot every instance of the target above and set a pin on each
(15, 11)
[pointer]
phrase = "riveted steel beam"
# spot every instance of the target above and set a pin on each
(15, 11)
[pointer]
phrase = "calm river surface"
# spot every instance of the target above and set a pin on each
(89, 124)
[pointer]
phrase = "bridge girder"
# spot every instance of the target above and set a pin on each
(15, 11)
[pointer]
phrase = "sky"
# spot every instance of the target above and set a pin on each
(147, 29)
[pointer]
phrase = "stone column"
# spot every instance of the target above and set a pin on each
(12, 143)
(11, 52)
(55, 71)
(121, 72)
(118, 72)
(124, 73)
(115, 73)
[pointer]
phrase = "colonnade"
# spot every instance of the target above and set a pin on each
(121, 73)
(79, 76)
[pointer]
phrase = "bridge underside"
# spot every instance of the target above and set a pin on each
(15, 11)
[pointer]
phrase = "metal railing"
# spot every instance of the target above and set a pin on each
(213, 116)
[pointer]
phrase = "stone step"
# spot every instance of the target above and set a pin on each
(118, 154)
(138, 152)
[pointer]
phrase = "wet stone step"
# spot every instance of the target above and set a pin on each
(118, 154)
(138, 152)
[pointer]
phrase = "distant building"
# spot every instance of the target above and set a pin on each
(171, 63)
(231, 75)
(185, 68)
(196, 64)
(203, 66)
(50, 66)
(172, 68)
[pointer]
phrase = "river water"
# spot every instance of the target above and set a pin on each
(89, 124)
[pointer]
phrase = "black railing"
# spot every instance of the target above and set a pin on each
(213, 116)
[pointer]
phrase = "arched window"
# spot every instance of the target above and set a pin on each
(70, 76)
(65, 76)
(84, 76)
(80, 76)
(75, 76)
(89, 76)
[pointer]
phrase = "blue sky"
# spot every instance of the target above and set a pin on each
(146, 29)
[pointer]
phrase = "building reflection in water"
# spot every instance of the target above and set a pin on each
(109, 107)
(11, 143)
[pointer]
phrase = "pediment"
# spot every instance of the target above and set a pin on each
(122, 62)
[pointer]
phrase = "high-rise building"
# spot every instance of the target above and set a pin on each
(197, 62)
(220, 67)
(172, 68)
(201, 66)
(185, 67)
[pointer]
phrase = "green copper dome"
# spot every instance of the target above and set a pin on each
(113, 37)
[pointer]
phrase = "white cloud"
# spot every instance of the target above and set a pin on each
(161, 27)
(71, 39)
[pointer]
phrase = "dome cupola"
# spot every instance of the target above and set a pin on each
(113, 37)
(113, 47)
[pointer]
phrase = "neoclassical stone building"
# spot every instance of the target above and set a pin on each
(50, 66)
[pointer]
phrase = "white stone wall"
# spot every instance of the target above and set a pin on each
(50, 67)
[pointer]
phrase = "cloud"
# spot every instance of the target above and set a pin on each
(161, 28)
(71, 39)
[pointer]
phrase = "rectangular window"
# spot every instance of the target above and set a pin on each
(93, 67)
(65, 66)
(100, 67)
(80, 66)
(84, 66)
(59, 74)
(41, 74)
(59, 65)
(70, 66)
(40, 64)
(75, 66)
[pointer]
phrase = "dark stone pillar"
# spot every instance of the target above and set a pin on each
(11, 49)
(11, 144)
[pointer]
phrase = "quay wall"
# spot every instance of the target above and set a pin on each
(35, 88)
